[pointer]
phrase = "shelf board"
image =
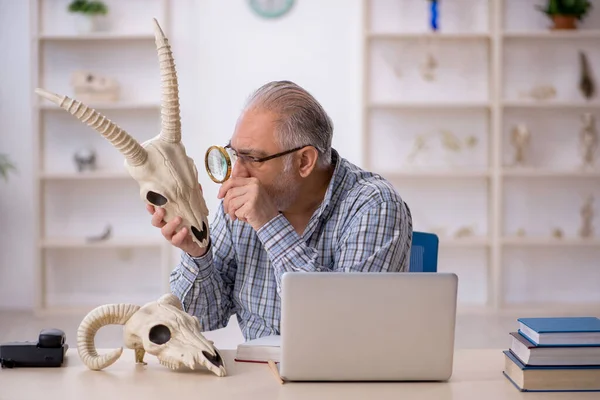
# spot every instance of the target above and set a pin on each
(467, 241)
(526, 241)
(94, 36)
(436, 174)
(88, 175)
(82, 243)
(551, 105)
(429, 35)
(549, 173)
(456, 105)
(121, 105)
(558, 34)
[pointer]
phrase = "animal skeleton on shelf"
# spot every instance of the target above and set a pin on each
(90, 87)
(167, 177)
(161, 328)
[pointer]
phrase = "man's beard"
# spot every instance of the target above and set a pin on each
(284, 190)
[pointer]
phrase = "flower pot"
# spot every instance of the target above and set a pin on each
(564, 22)
(89, 23)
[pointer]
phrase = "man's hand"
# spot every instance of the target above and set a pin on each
(245, 199)
(180, 238)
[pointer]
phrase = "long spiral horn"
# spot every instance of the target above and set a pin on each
(109, 314)
(134, 153)
(171, 120)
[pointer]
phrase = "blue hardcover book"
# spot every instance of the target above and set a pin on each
(561, 331)
(527, 378)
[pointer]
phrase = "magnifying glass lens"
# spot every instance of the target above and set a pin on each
(217, 164)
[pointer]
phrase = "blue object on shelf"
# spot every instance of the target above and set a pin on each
(434, 14)
(424, 252)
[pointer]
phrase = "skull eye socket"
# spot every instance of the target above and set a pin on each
(159, 334)
(156, 198)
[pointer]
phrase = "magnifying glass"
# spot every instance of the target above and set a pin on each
(218, 164)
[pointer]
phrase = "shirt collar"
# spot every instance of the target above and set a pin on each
(335, 187)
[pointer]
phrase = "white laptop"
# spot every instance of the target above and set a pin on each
(367, 326)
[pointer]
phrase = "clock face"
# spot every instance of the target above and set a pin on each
(271, 8)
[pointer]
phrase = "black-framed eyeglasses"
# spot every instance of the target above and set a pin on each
(248, 158)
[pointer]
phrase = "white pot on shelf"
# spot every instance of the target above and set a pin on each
(89, 23)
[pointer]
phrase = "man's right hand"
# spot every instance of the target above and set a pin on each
(180, 239)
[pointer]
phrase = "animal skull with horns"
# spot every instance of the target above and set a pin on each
(167, 177)
(161, 328)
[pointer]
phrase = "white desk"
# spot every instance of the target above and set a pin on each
(477, 375)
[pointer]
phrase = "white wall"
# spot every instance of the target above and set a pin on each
(223, 52)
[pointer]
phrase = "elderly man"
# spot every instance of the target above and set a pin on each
(292, 204)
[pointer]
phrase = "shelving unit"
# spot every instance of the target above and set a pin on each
(484, 65)
(74, 273)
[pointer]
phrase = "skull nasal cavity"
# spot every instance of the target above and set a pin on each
(200, 235)
(160, 334)
(156, 198)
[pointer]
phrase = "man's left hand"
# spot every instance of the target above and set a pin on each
(245, 199)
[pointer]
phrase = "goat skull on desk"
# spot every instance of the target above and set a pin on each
(167, 177)
(161, 328)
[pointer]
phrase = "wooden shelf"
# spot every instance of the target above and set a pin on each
(399, 102)
(551, 105)
(525, 241)
(436, 174)
(470, 241)
(122, 105)
(454, 105)
(551, 35)
(53, 53)
(88, 175)
(429, 35)
(115, 242)
(111, 36)
(548, 173)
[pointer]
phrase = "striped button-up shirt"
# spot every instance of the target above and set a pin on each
(362, 225)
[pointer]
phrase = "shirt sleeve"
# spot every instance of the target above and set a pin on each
(205, 284)
(376, 240)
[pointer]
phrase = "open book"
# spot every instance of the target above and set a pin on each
(259, 350)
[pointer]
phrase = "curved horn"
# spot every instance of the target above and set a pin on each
(109, 314)
(171, 121)
(134, 153)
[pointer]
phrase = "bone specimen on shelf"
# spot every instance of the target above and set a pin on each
(448, 140)
(587, 85)
(465, 231)
(428, 67)
(587, 217)
(588, 142)
(557, 233)
(105, 235)
(91, 87)
(167, 177)
(520, 139)
(85, 159)
(161, 328)
(540, 92)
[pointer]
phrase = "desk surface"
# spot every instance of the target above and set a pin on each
(477, 375)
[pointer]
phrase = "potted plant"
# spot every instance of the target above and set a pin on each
(5, 166)
(566, 13)
(89, 15)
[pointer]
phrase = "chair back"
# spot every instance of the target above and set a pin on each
(424, 252)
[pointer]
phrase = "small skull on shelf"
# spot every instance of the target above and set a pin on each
(85, 159)
(92, 87)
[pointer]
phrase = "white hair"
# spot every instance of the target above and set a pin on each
(302, 120)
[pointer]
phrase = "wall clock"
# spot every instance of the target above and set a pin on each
(271, 8)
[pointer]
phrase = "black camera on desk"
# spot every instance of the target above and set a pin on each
(48, 351)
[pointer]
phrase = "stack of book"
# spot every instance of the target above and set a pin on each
(555, 354)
